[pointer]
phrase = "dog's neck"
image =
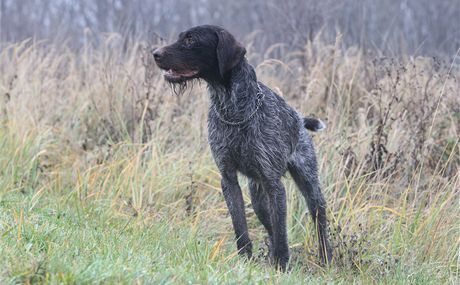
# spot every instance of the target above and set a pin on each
(235, 96)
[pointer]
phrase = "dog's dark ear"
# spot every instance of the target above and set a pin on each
(229, 51)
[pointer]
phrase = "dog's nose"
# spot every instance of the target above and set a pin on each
(157, 53)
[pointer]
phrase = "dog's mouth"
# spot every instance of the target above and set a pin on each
(179, 76)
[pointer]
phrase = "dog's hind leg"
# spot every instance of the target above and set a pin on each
(234, 199)
(303, 169)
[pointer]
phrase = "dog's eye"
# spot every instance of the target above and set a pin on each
(189, 41)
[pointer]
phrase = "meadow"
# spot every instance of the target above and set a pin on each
(106, 175)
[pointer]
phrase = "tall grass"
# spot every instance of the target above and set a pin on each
(106, 176)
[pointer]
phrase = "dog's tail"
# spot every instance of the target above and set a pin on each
(313, 124)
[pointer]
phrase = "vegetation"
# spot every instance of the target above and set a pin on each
(106, 175)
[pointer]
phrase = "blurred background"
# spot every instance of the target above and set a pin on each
(390, 27)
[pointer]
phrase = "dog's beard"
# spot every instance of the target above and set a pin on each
(179, 88)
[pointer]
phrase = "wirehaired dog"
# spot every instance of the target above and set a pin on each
(253, 131)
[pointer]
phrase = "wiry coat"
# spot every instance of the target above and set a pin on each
(261, 148)
(253, 131)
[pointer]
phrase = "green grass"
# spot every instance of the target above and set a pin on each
(63, 241)
(105, 177)
(92, 229)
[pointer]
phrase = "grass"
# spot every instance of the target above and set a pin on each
(107, 178)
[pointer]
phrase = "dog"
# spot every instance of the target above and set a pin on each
(253, 131)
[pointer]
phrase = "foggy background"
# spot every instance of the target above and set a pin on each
(389, 27)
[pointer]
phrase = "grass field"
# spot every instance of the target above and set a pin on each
(106, 175)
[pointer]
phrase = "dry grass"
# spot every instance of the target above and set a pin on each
(97, 131)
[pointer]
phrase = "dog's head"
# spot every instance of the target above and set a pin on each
(207, 52)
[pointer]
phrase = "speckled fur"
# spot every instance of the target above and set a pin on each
(264, 148)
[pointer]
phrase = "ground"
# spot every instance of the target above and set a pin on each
(106, 175)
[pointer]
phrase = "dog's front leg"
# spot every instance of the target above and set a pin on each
(235, 204)
(277, 194)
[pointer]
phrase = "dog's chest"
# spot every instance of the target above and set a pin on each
(229, 140)
(235, 144)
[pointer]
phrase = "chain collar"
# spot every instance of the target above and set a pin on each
(260, 97)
